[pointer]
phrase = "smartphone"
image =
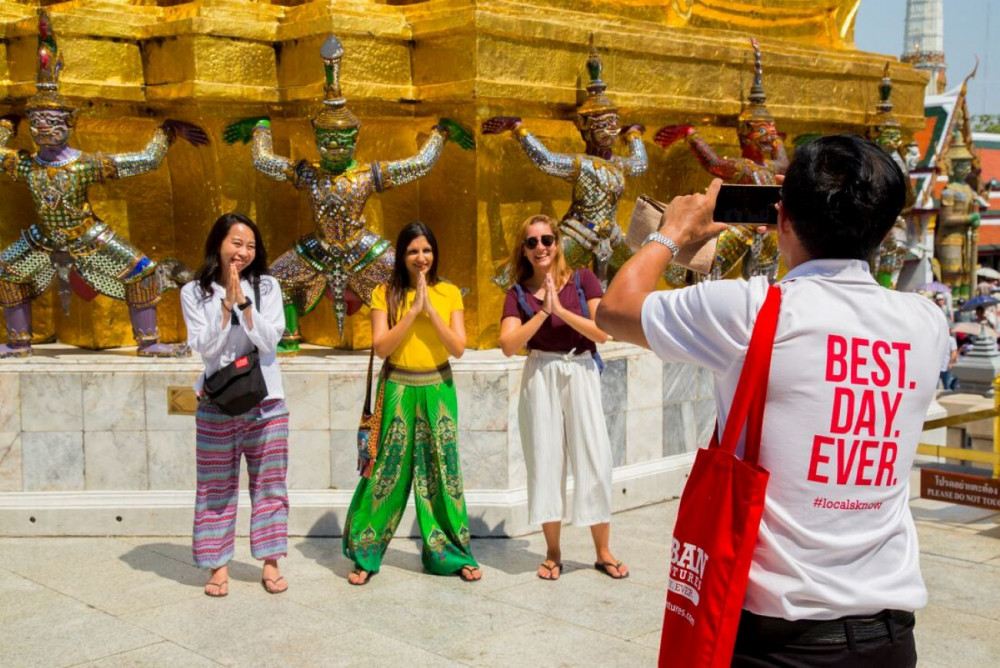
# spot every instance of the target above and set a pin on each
(747, 205)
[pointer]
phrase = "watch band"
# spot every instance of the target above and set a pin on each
(663, 239)
(245, 305)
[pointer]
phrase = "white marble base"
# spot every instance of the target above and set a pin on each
(87, 445)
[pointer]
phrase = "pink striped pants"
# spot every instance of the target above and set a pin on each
(260, 435)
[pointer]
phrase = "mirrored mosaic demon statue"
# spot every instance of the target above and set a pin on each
(763, 157)
(590, 231)
(69, 240)
(886, 131)
(341, 258)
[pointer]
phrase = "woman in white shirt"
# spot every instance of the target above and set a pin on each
(230, 308)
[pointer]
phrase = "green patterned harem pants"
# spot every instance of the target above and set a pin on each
(419, 444)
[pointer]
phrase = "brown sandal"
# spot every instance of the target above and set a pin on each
(218, 585)
(465, 572)
(359, 571)
(552, 575)
(270, 586)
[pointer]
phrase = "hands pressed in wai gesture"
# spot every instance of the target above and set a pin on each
(550, 300)
(421, 302)
(234, 291)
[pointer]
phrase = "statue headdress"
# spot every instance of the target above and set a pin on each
(755, 111)
(597, 102)
(958, 149)
(883, 117)
(335, 114)
(50, 64)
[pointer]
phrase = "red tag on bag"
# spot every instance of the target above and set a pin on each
(241, 362)
(717, 522)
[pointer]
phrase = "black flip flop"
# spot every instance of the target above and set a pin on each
(358, 571)
(603, 567)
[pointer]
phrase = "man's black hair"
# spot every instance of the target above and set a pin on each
(842, 194)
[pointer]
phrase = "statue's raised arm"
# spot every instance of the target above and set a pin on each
(340, 258)
(150, 157)
(590, 232)
(763, 157)
(393, 173)
(68, 239)
(560, 165)
(636, 162)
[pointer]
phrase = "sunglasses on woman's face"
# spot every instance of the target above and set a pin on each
(531, 243)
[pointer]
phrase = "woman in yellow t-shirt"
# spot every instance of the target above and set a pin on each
(418, 323)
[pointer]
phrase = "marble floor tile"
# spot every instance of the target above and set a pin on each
(636, 609)
(555, 642)
(42, 627)
(460, 610)
(152, 578)
(957, 544)
(159, 654)
(956, 639)
(953, 584)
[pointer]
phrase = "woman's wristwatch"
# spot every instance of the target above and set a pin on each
(246, 304)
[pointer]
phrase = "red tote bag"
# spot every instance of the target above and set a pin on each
(718, 520)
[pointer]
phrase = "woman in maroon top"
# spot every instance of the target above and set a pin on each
(549, 311)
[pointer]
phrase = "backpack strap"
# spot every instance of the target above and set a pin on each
(522, 302)
(585, 309)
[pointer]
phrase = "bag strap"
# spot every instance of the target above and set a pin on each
(584, 306)
(256, 294)
(522, 301)
(751, 391)
(368, 384)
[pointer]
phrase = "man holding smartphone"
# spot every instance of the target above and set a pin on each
(835, 575)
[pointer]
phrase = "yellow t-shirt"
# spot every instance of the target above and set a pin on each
(421, 349)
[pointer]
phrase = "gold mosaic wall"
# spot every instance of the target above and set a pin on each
(132, 63)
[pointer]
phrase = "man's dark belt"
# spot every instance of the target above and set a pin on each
(846, 630)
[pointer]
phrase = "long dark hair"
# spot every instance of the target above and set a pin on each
(211, 269)
(395, 291)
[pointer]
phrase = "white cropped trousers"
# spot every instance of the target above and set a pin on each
(560, 413)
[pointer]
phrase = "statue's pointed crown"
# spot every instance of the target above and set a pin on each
(883, 109)
(958, 149)
(597, 102)
(50, 65)
(335, 114)
(756, 110)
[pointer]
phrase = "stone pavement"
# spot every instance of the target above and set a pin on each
(138, 601)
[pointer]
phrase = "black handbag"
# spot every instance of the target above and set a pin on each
(239, 386)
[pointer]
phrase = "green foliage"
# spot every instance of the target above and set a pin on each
(986, 123)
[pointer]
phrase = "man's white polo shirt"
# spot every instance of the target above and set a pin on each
(853, 371)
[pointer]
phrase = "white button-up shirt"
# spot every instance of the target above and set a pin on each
(220, 345)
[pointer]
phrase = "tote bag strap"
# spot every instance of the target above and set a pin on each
(751, 391)
(368, 384)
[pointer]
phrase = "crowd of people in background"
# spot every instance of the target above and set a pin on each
(969, 321)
